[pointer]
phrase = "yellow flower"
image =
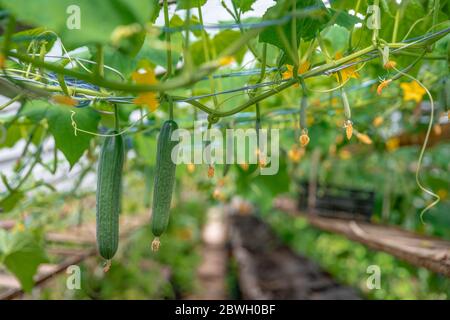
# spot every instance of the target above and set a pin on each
(391, 64)
(392, 144)
(303, 67)
(378, 121)
(224, 61)
(412, 91)
(146, 76)
(147, 99)
(289, 73)
(347, 73)
(364, 138)
(383, 84)
(295, 153)
(210, 171)
(63, 99)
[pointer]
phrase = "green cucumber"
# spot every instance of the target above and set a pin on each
(164, 181)
(109, 193)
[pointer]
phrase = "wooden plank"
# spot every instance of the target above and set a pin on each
(418, 250)
(9, 281)
(128, 225)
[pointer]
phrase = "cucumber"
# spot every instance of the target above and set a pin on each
(164, 181)
(109, 193)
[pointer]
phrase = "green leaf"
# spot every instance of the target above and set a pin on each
(344, 19)
(21, 253)
(10, 201)
(314, 18)
(97, 19)
(244, 5)
(189, 4)
(9, 136)
(220, 42)
(158, 55)
(22, 39)
(59, 120)
(336, 38)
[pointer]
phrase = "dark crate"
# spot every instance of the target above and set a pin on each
(339, 202)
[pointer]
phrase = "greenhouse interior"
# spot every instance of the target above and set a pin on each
(186, 150)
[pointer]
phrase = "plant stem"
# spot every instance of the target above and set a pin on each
(168, 44)
(396, 23)
(245, 105)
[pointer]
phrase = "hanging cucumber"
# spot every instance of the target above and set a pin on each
(164, 181)
(109, 192)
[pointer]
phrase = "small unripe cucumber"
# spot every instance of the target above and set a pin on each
(109, 193)
(164, 181)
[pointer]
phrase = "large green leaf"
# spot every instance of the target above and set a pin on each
(336, 38)
(308, 24)
(59, 120)
(98, 19)
(21, 253)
